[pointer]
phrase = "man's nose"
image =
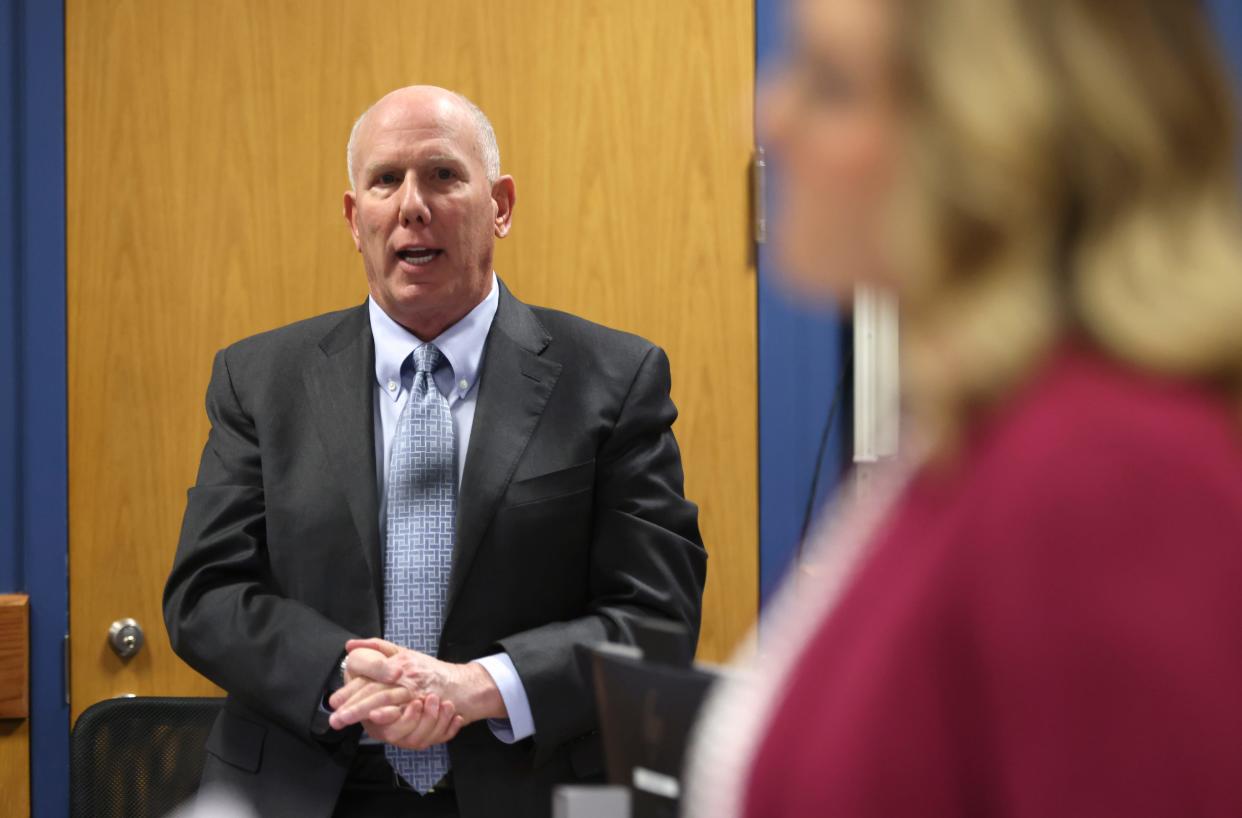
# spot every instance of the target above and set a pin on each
(413, 207)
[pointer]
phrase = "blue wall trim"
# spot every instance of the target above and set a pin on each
(10, 318)
(33, 431)
(1228, 14)
(801, 354)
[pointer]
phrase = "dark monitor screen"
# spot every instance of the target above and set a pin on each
(647, 710)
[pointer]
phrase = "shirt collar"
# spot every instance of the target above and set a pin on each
(462, 346)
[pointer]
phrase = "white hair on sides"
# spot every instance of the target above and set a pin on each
(483, 127)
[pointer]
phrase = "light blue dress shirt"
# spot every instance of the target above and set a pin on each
(462, 346)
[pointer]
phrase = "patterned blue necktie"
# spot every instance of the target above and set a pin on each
(422, 500)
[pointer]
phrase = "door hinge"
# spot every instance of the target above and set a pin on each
(64, 668)
(758, 194)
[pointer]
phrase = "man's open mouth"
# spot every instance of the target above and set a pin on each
(418, 255)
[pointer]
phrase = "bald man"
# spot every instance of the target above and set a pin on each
(408, 513)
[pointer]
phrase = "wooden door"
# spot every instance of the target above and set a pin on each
(205, 164)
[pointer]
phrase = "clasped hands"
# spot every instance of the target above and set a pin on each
(409, 699)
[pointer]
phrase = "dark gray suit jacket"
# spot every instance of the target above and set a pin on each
(571, 522)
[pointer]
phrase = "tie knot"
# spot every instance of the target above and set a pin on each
(427, 358)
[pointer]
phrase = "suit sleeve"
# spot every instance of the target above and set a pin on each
(647, 560)
(225, 615)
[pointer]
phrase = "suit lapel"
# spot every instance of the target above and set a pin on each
(514, 386)
(340, 382)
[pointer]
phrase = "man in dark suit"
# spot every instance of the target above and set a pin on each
(482, 483)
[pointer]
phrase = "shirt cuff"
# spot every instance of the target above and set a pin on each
(520, 723)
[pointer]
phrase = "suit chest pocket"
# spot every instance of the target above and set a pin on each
(551, 486)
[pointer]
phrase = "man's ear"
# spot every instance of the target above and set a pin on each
(504, 196)
(351, 217)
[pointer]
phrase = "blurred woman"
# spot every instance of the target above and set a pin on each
(1046, 617)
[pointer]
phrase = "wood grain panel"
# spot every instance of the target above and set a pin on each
(15, 767)
(14, 656)
(205, 170)
(15, 704)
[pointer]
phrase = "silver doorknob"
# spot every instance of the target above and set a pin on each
(125, 637)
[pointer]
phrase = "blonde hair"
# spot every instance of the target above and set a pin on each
(1072, 170)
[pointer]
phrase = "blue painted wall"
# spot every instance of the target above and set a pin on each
(1228, 15)
(801, 353)
(10, 317)
(33, 480)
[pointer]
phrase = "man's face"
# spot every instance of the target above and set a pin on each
(422, 212)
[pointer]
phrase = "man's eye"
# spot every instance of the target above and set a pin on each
(444, 174)
(388, 178)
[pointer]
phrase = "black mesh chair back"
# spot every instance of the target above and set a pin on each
(138, 757)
